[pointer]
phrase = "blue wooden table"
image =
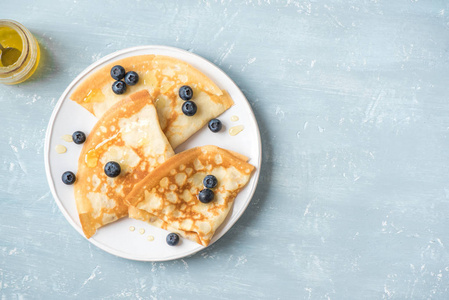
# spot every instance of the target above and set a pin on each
(353, 105)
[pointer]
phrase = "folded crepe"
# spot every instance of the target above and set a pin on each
(162, 76)
(129, 134)
(167, 197)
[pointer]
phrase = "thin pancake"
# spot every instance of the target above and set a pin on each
(129, 134)
(167, 197)
(162, 76)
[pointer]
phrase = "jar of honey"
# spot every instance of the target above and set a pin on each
(19, 52)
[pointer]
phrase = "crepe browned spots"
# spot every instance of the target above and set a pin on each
(129, 134)
(167, 197)
(162, 76)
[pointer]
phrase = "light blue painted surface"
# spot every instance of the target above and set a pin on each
(353, 105)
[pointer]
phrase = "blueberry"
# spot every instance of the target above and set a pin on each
(68, 177)
(78, 137)
(131, 78)
(119, 87)
(117, 72)
(112, 169)
(206, 196)
(185, 92)
(210, 181)
(189, 108)
(172, 239)
(215, 125)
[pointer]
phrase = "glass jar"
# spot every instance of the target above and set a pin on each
(28, 60)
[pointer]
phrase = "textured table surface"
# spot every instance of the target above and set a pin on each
(353, 106)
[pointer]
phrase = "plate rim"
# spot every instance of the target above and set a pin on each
(58, 106)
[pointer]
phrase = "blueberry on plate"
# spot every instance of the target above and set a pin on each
(117, 72)
(189, 108)
(119, 87)
(78, 137)
(206, 196)
(68, 177)
(131, 78)
(172, 239)
(185, 92)
(210, 181)
(215, 125)
(112, 169)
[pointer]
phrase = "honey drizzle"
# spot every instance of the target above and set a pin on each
(92, 156)
(95, 95)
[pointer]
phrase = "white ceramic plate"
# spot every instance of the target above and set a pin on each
(116, 238)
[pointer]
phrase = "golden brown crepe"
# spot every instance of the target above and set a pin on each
(129, 134)
(167, 197)
(162, 76)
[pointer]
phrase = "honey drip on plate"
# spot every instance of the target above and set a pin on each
(236, 130)
(234, 118)
(67, 138)
(60, 149)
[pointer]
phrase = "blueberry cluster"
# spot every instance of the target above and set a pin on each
(188, 107)
(69, 177)
(118, 73)
(207, 195)
(111, 169)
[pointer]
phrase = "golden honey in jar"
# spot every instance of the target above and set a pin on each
(19, 52)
